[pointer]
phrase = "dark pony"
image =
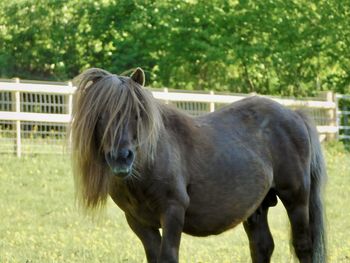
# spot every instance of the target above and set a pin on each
(202, 176)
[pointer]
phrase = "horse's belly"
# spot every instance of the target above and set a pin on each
(216, 207)
(199, 225)
(204, 220)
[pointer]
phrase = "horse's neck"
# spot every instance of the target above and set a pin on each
(184, 135)
(178, 123)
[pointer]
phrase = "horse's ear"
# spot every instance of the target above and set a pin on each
(138, 76)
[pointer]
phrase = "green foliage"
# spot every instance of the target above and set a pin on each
(270, 47)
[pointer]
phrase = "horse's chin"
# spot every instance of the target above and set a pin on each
(121, 172)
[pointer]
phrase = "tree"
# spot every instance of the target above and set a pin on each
(271, 47)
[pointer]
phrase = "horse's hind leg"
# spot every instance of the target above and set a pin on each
(296, 204)
(259, 235)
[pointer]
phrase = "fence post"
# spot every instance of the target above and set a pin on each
(331, 114)
(70, 100)
(18, 122)
(212, 104)
(337, 117)
(70, 112)
(166, 91)
(345, 121)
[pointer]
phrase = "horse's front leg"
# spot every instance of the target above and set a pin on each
(172, 220)
(150, 238)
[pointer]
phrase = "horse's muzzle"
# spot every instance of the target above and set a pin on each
(120, 162)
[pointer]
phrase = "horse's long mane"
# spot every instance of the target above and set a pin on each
(98, 92)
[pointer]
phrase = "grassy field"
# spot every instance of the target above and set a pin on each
(39, 222)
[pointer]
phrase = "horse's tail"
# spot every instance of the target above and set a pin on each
(318, 178)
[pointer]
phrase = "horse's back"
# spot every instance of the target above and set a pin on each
(259, 121)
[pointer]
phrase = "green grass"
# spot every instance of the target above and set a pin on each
(39, 222)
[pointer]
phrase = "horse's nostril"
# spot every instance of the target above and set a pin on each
(123, 157)
(123, 153)
(130, 155)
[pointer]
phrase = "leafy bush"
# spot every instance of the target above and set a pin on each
(270, 47)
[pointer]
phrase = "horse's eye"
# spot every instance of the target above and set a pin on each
(136, 117)
(135, 137)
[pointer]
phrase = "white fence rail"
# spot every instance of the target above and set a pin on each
(34, 116)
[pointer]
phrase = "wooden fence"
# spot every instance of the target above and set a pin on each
(34, 116)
